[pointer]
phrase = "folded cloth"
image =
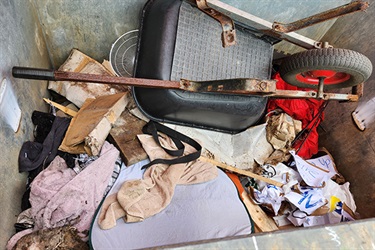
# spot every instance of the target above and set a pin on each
(140, 199)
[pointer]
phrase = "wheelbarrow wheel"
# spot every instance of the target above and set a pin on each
(340, 68)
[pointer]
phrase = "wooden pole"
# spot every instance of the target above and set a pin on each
(242, 172)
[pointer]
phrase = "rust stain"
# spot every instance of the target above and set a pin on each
(228, 36)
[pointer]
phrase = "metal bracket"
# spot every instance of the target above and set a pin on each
(231, 86)
(322, 45)
(228, 36)
(263, 88)
(321, 17)
(297, 94)
(268, 28)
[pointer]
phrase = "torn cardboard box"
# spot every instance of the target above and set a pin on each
(92, 124)
(281, 131)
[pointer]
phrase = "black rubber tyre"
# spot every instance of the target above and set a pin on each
(358, 66)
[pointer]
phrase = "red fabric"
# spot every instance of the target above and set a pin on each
(300, 109)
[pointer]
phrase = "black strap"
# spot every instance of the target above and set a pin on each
(152, 128)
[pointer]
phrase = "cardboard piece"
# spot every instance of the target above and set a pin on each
(281, 131)
(78, 92)
(90, 127)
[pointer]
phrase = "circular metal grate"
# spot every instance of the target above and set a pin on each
(122, 54)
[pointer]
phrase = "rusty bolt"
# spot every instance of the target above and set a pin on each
(262, 85)
(229, 36)
(185, 83)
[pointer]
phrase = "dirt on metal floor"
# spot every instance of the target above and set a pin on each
(353, 150)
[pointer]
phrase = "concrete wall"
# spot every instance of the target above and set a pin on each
(21, 43)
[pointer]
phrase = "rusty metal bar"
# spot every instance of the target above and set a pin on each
(262, 25)
(228, 36)
(296, 94)
(55, 75)
(256, 87)
(321, 17)
(136, 82)
(320, 88)
(231, 86)
(265, 26)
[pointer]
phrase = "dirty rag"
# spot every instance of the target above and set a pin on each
(140, 199)
(59, 196)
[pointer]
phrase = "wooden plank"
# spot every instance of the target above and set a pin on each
(261, 220)
(124, 136)
(242, 172)
(64, 109)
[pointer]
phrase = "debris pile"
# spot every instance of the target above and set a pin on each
(79, 149)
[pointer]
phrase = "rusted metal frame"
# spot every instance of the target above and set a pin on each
(358, 90)
(56, 75)
(136, 82)
(262, 25)
(231, 86)
(228, 36)
(267, 27)
(297, 94)
(265, 88)
(257, 87)
(320, 92)
(321, 17)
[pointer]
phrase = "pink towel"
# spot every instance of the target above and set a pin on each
(60, 197)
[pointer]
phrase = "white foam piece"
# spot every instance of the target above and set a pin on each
(10, 112)
(365, 112)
